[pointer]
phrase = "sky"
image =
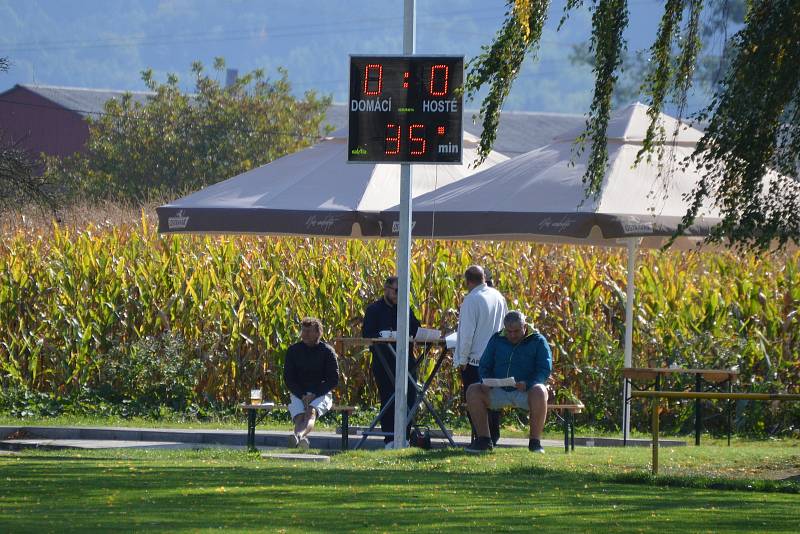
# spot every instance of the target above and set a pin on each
(106, 44)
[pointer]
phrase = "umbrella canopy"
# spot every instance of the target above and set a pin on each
(310, 192)
(540, 195)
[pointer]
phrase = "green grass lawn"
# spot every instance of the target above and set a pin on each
(711, 488)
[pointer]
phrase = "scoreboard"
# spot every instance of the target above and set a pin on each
(405, 109)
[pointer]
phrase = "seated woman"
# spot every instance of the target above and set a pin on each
(310, 371)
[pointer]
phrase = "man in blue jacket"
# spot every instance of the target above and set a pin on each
(518, 351)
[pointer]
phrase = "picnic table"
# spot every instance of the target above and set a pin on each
(657, 395)
(341, 342)
(652, 377)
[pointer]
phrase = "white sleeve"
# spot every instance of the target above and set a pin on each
(466, 333)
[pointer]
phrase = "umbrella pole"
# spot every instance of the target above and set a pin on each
(632, 244)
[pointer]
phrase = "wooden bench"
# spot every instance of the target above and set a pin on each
(346, 411)
(267, 407)
(566, 414)
(657, 395)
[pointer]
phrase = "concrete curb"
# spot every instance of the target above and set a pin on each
(11, 437)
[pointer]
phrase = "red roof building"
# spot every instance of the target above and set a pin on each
(52, 120)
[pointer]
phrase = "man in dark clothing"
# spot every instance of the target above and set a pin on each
(310, 372)
(382, 315)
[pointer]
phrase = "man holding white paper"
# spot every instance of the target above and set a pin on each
(522, 352)
(480, 317)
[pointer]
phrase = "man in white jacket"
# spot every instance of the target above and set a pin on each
(480, 317)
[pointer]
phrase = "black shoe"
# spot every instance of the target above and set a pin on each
(535, 446)
(480, 445)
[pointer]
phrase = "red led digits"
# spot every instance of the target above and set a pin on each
(394, 130)
(371, 72)
(420, 147)
(405, 79)
(439, 87)
(440, 130)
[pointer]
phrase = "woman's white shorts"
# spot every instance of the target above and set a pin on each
(321, 404)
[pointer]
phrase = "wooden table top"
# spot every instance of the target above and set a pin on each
(650, 373)
(371, 340)
(262, 406)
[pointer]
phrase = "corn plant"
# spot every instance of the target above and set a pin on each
(70, 298)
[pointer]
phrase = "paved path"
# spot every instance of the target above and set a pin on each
(17, 437)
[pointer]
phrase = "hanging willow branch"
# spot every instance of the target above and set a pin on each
(609, 19)
(499, 64)
(754, 128)
(753, 119)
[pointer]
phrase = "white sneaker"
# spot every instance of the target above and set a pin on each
(293, 441)
(303, 444)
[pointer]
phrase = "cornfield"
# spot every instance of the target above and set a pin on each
(71, 297)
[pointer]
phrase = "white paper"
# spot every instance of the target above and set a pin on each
(451, 340)
(428, 334)
(499, 382)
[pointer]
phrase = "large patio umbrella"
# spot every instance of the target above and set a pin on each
(311, 192)
(539, 196)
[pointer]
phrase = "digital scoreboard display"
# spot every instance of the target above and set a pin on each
(405, 109)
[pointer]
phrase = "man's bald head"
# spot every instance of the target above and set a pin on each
(474, 275)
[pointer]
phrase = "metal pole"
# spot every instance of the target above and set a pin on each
(698, 413)
(403, 260)
(655, 435)
(626, 385)
(730, 409)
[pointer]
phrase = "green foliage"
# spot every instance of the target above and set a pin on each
(499, 64)
(178, 141)
(21, 402)
(115, 312)
(609, 19)
(754, 122)
(665, 74)
(712, 62)
(156, 371)
(754, 128)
